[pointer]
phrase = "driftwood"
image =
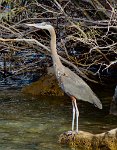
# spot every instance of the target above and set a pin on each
(87, 141)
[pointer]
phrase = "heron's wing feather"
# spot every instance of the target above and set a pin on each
(73, 85)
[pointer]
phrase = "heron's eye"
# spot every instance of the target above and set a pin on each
(65, 75)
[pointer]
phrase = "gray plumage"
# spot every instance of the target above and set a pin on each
(73, 85)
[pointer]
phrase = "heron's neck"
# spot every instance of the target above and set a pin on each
(55, 57)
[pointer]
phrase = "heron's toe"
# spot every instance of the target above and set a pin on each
(68, 133)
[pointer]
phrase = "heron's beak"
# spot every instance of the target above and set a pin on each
(37, 25)
(29, 24)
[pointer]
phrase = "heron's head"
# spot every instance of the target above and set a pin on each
(42, 25)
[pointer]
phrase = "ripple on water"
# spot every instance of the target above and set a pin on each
(28, 123)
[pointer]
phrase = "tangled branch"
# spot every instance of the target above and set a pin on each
(86, 33)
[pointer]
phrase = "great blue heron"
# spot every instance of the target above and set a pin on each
(70, 83)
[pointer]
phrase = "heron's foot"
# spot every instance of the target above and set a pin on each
(76, 131)
(71, 132)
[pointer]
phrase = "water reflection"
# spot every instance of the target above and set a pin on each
(28, 123)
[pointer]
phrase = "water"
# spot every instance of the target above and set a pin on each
(28, 123)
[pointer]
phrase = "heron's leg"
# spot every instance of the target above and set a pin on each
(77, 112)
(73, 117)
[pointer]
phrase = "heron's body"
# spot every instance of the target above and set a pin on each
(70, 83)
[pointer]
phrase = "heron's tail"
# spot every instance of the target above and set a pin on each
(97, 103)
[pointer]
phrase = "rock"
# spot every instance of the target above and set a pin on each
(46, 85)
(87, 141)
